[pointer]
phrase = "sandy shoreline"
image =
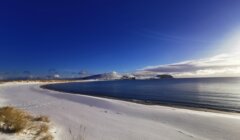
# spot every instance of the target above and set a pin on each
(97, 118)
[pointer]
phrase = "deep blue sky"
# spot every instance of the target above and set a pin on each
(100, 36)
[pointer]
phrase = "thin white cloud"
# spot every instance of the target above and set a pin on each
(171, 37)
(221, 65)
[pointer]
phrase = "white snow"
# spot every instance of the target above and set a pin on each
(96, 118)
(110, 76)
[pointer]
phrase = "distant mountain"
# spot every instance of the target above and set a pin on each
(128, 77)
(147, 76)
(164, 76)
(105, 76)
(115, 76)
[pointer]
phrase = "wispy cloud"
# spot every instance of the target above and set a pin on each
(171, 37)
(220, 65)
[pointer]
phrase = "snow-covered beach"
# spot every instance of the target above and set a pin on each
(93, 118)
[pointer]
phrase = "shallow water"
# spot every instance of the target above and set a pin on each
(212, 93)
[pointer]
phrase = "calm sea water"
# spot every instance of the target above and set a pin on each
(212, 93)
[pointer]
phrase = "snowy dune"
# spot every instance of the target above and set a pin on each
(75, 116)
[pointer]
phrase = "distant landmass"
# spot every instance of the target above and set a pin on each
(116, 76)
(163, 76)
(104, 76)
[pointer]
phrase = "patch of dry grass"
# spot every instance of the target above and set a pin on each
(13, 120)
(47, 137)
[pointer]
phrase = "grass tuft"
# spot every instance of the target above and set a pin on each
(13, 120)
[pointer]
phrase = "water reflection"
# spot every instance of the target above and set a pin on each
(214, 93)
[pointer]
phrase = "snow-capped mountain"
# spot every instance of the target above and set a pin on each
(105, 76)
(115, 76)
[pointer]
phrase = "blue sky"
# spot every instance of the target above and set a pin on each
(102, 36)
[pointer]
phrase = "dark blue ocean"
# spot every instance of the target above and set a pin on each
(212, 93)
